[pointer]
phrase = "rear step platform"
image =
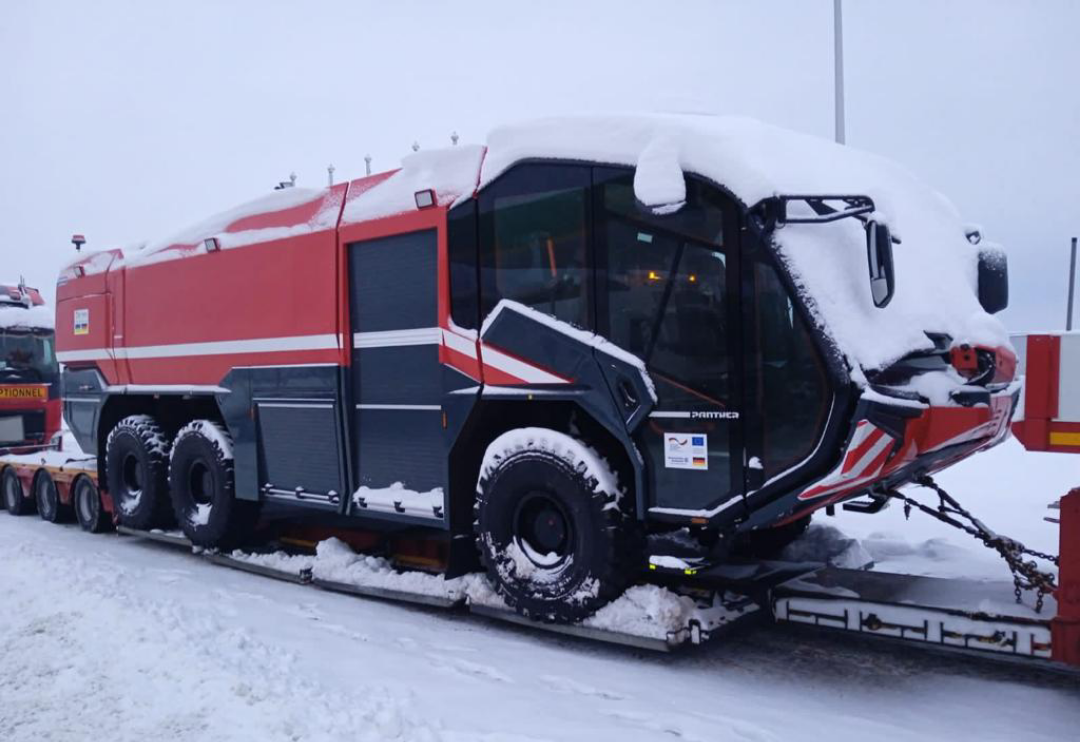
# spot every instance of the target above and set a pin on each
(951, 613)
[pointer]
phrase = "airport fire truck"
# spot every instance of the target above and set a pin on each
(29, 374)
(543, 353)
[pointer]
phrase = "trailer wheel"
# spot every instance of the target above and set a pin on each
(88, 510)
(549, 528)
(136, 468)
(15, 498)
(47, 498)
(202, 484)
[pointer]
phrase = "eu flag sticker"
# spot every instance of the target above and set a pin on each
(686, 451)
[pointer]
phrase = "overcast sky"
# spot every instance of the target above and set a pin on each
(126, 121)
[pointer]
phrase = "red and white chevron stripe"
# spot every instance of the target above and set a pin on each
(863, 462)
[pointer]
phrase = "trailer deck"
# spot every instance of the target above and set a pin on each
(961, 614)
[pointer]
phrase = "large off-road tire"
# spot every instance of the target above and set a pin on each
(87, 505)
(767, 543)
(202, 485)
(137, 467)
(550, 528)
(47, 498)
(15, 500)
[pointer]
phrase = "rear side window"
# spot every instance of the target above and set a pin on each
(534, 241)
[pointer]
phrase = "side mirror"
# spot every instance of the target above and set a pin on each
(880, 259)
(993, 279)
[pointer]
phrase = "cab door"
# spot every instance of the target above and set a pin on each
(668, 292)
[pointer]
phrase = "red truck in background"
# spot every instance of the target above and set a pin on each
(29, 373)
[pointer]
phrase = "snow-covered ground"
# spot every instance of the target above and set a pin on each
(112, 637)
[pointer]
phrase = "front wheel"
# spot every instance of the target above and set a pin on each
(550, 530)
(201, 482)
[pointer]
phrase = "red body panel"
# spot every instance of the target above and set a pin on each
(1065, 627)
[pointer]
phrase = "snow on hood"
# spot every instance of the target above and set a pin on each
(35, 317)
(936, 267)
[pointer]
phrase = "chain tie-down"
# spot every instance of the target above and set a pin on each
(1026, 573)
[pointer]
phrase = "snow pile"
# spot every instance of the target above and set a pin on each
(398, 498)
(299, 211)
(828, 544)
(335, 561)
(936, 267)
(231, 231)
(91, 263)
(35, 317)
(659, 182)
(656, 612)
(452, 173)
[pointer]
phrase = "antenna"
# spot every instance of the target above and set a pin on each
(453, 138)
(367, 164)
(416, 146)
(78, 241)
(330, 174)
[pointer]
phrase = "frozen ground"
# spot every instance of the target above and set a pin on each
(110, 637)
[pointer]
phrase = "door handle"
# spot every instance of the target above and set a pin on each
(627, 393)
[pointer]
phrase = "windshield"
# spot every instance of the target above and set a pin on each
(27, 355)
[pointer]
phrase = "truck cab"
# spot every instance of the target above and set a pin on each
(29, 373)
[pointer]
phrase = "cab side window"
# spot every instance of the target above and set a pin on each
(534, 241)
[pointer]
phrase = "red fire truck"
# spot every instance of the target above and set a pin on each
(544, 350)
(29, 374)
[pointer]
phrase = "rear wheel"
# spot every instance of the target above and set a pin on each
(88, 510)
(14, 498)
(549, 528)
(47, 498)
(201, 483)
(136, 466)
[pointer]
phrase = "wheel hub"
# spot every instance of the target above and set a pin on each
(543, 526)
(201, 483)
(132, 474)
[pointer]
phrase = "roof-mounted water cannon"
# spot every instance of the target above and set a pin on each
(78, 241)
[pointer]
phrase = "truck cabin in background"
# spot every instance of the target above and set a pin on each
(29, 374)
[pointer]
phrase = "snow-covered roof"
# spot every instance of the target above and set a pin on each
(36, 317)
(452, 173)
(936, 267)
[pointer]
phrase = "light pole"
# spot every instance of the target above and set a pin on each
(838, 64)
(1072, 287)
